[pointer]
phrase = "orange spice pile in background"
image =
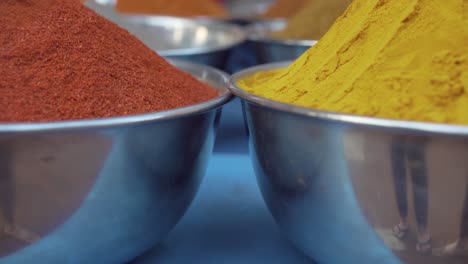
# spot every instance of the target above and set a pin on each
(173, 7)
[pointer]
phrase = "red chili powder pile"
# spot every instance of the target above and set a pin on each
(59, 60)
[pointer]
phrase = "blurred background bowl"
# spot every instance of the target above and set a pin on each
(270, 49)
(201, 40)
(197, 40)
(102, 190)
(339, 184)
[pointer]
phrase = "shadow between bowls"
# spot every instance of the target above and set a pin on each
(102, 190)
(339, 184)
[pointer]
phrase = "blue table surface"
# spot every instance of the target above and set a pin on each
(228, 222)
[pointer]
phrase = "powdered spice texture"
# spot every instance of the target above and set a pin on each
(59, 60)
(393, 59)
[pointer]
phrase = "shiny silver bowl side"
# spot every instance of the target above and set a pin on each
(204, 41)
(339, 185)
(271, 49)
(102, 190)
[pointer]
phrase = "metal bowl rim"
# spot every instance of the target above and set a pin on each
(229, 29)
(340, 118)
(224, 97)
(253, 36)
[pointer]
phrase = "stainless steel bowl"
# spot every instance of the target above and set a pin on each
(338, 184)
(271, 49)
(197, 40)
(202, 40)
(103, 190)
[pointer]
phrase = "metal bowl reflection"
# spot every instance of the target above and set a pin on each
(354, 189)
(202, 41)
(271, 49)
(102, 190)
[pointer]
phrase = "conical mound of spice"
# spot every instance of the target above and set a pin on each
(397, 59)
(59, 60)
(173, 7)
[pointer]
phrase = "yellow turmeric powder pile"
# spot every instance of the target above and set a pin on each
(173, 7)
(397, 59)
(313, 19)
(284, 8)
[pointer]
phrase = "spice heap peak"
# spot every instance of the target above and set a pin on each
(397, 59)
(59, 60)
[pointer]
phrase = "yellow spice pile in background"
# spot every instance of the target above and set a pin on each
(313, 19)
(398, 59)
